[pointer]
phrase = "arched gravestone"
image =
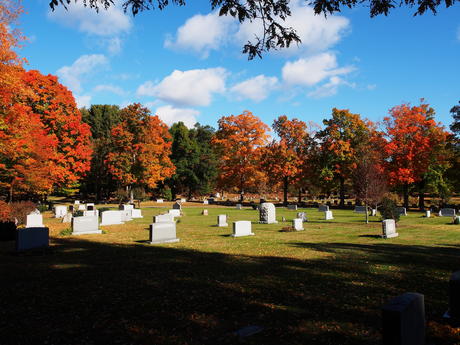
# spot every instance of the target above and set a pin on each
(267, 213)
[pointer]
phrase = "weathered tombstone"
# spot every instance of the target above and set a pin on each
(323, 208)
(239, 206)
(81, 207)
(222, 220)
(67, 218)
(111, 217)
(91, 213)
(389, 228)
(136, 213)
(373, 212)
(34, 221)
(60, 211)
(204, 213)
(447, 212)
(159, 201)
(205, 202)
(163, 233)
(90, 207)
(163, 218)
(267, 213)
(454, 295)
(360, 209)
(292, 207)
(177, 206)
(175, 213)
(403, 320)
(85, 225)
(328, 215)
(297, 224)
(32, 238)
(401, 211)
(427, 213)
(302, 215)
(242, 228)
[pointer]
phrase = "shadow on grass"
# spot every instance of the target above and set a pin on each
(84, 292)
(370, 236)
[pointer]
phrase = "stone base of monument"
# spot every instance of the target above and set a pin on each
(32, 238)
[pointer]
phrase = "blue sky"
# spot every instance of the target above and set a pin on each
(185, 63)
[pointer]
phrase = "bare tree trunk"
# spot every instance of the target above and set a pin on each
(367, 213)
(342, 191)
(406, 195)
(285, 189)
(300, 196)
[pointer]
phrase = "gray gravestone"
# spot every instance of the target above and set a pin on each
(94, 213)
(136, 213)
(111, 217)
(85, 225)
(60, 211)
(323, 208)
(401, 211)
(303, 216)
(454, 295)
(34, 221)
(292, 207)
(177, 206)
(242, 228)
(175, 213)
(163, 233)
(360, 209)
(447, 212)
(222, 220)
(297, 224)
(389, 228)
(32, 238)
(267, 213)
(403, 320)
(239, 206)
(328, 215)
(164, 218)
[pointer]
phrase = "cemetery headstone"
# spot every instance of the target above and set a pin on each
(60, 211)
(292, 207)
(163, 218)
(85, 225)
(360, 209)
(34, 221)
(90, 207)
(204, 213)
(32, 238)
(403, 320)
(454, 295)
(328, 215)
(427, 213)
(239, 206)
(67, 218)
(111, 217)
(205, 202)
(159, 201)
(163, 233)
(175, 213)
(302, 215)
(81, 207)
(323, 208)
(389, 228)
(136, 213)
(373, 212)
(267, 213)
(401, 211)
(91, 213)
(447, 212)
(76, 202)
(177, 206)
(126, 207)
(222, 220)
(126, 215)
(183, 200)
(242, 228)
(297, 224)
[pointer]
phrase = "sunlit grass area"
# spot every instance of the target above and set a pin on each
(324, 285)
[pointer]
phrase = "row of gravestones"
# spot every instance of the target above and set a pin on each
(403, 317)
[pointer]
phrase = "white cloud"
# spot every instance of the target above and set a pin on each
(170, 115)
(114, 45)
(84, 65)
(187, 88)
(83, 101)
(256, 89)
(109, 88)
(110, 22)
(330, 88)
(202, 33)
(317, 33)
(312, 70)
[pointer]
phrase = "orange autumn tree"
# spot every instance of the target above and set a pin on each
(141, 146)
(414, 141)
(284, 159)
(339, 142)
(239, 142)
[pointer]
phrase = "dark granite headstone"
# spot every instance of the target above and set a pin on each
(32, 238)
(403, 320)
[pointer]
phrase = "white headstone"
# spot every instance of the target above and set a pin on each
(302, 215)
(267, 213)
(204, 213)
(60, 211)
(389, 228)
(242, 228)
(77, 202)
(126, 215)
(90, 206)
(323, 208)
(360, 209)
(34, 221)
(447, 212)
(205, 202)
(175, 213)
(239, 206)
(159, 201)
(81, 207)
(85, 225)
(91, 213)
(126, 207)
(111, 217)
(222, 220)
(297, 224)
(328, 215)
(374, 212)
(67, 218)
(427, 213)
(136, 213)
(163, 233)
(163, 218)
(183, 200)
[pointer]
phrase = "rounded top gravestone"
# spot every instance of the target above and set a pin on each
(267, 213)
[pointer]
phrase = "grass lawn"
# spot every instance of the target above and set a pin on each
(324, 285)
